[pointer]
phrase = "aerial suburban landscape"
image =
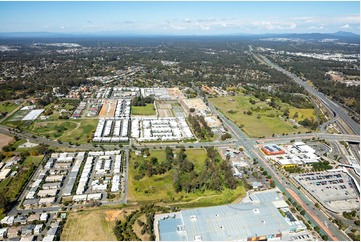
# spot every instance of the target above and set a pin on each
(185, 135)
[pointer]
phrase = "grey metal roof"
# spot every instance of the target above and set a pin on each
(169, 230)
(258, 217)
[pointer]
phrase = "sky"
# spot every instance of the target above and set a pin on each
(181, 18)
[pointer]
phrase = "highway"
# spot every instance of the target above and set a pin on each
(336, 109)
(250, 146)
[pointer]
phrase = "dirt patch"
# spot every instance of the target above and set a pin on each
(108, 108)
(5, 140)
(112, 215)
(165, 113)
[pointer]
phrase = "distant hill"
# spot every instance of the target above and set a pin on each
(340, 35)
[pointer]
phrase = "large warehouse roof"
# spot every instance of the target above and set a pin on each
(258, 216)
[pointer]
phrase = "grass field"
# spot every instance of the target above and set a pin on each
(7, 107)
(302, 113)
(264, 120)
(146, 110)
(95, 225)
(66, 130)
(159, 188)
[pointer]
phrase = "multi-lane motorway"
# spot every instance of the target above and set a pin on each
(336, 109)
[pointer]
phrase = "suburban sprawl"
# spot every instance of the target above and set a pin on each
(136, 138)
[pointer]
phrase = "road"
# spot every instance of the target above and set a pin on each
(335, 108)
(250, 146)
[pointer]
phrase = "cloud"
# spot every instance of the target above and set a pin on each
(62, 27)
(275, 25)
(316, 27)
(346, 26)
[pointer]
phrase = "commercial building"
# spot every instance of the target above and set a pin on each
(256, 218)
(296, 154)
(272, 149)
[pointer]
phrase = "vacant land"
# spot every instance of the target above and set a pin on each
(108, 109)
(80, 131)
(143, 110)
(5, 140)
(95, 225)
(259, 119)
(159, 188)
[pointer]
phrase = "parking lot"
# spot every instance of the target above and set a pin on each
(334, 189)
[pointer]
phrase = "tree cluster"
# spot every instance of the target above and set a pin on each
(216, 174)
(142, 101)
(200, 127)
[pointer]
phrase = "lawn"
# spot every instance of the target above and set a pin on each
(95, 225)
(7, 107)
(143, 110)
(159, 188)
(80, 131)
(264, 120)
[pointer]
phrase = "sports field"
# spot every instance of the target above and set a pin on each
(262, 119)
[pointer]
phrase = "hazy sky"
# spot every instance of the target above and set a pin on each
(180, 17)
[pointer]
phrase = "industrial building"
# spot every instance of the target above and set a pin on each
(256, 218)
(164, 129)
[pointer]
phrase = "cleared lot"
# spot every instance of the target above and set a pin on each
(5, 140)
(92, 225)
